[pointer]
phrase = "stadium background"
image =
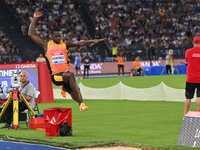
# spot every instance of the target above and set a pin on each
(139, 28)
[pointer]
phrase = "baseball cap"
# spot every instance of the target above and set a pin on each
(196, 40)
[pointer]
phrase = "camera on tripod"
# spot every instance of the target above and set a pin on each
(171, 52)
(15, 81)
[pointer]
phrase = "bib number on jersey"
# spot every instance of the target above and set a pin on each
(58, 57)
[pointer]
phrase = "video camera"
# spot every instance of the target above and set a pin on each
(171, 52)
(15, 80)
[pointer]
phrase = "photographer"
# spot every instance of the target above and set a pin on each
(27, 90)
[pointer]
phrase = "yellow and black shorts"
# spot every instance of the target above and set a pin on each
(57, 79)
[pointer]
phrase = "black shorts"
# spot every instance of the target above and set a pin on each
(190, 89)
(77, 68)
(138, 70)
(86, 67)
(168, 66)
(120, 66)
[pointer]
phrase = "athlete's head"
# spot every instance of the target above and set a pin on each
(137, 58)
(87, 54)
(196, 41)
(56, 36)
(77, 53)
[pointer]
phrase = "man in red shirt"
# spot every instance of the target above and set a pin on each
(192, 57)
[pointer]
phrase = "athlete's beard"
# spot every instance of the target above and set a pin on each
(57, 42)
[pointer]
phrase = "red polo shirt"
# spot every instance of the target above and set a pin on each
(192, 57)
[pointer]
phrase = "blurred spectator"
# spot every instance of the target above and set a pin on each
(96, 55)
(6, 58)
(40, 58)
(7, 49)
(16, 58)
(114, 50)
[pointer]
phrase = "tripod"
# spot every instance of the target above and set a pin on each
(171, 59)
(14, 96)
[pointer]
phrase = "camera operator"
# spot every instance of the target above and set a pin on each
(28, 91)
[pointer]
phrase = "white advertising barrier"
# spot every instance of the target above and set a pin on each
(120, 91)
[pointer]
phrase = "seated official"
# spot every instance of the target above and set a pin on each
(28, 91)
(137, 66)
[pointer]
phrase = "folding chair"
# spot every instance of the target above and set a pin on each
(35, 109)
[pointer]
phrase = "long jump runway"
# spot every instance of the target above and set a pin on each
(5, 145)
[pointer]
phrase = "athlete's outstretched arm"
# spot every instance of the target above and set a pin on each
(83, 43)
(91, 57)
(31, 31)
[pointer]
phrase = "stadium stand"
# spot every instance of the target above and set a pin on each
(139, 28)
(9, 53)
(57, 14)
(146, 25)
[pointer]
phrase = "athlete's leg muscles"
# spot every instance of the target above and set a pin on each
(69, 79)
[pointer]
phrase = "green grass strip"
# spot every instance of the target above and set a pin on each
(175, 81)
(136, 123)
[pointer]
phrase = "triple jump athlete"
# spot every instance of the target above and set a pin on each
(56, 53)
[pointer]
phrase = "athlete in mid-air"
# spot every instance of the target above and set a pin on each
(56, 53)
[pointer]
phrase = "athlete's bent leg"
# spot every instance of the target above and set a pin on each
(73, 89)
(69, 78)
